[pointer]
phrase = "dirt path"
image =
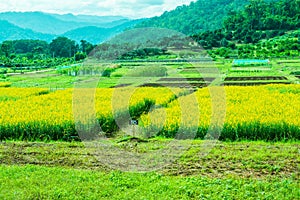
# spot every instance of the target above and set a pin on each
(33, 72)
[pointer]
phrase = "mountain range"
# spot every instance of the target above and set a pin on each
(9, 31)
(46, 26)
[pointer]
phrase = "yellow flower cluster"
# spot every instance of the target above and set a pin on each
(5, 84)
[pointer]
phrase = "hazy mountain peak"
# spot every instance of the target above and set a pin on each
(46, 26)
(58, 24)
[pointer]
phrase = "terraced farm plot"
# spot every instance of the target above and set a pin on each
(255, 80)
(176, 85)
(256, 83)
(206, 79)
(181, 82)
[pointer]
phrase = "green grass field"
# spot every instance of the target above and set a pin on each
(243, 170)
(38, 182)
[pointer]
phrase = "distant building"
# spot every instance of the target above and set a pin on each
(250, 62)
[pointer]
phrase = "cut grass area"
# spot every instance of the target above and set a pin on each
(254, 83)
(60, 81)
(36, 182)
(47, 80)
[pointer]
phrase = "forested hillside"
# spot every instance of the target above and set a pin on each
(258, 20)
(199, 16)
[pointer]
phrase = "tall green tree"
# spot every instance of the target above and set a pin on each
(63, 47)
(7, 48)
(86, 47)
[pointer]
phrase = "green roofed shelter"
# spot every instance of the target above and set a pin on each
(247, 62)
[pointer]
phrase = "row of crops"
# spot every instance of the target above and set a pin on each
(268, 112)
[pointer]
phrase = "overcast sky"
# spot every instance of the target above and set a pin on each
(127, 8)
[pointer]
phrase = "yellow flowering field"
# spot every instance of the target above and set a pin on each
(37, 114)
(247, 113)
(269, 112)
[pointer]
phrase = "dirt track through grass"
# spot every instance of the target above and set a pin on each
(244, 159)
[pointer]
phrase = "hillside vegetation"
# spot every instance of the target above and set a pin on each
(199, 16)
(258, 20)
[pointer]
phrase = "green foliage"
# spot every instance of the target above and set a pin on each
(144, 43)
(63, 47)
(141, 108)
(107, 72)
(7, 48)
(283, 46)
(199, 16)
(30, 46)
(296, 73)
(261, 19)
(80, 56)
(20, 54)
(143, 53)
(86, 47)
(257, 21)
(31, 62)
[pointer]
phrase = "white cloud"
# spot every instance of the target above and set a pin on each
(127, 8)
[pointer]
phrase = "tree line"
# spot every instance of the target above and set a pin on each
(61, 47)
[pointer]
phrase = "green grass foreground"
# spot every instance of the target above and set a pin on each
(36, 182)
(232, 170)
